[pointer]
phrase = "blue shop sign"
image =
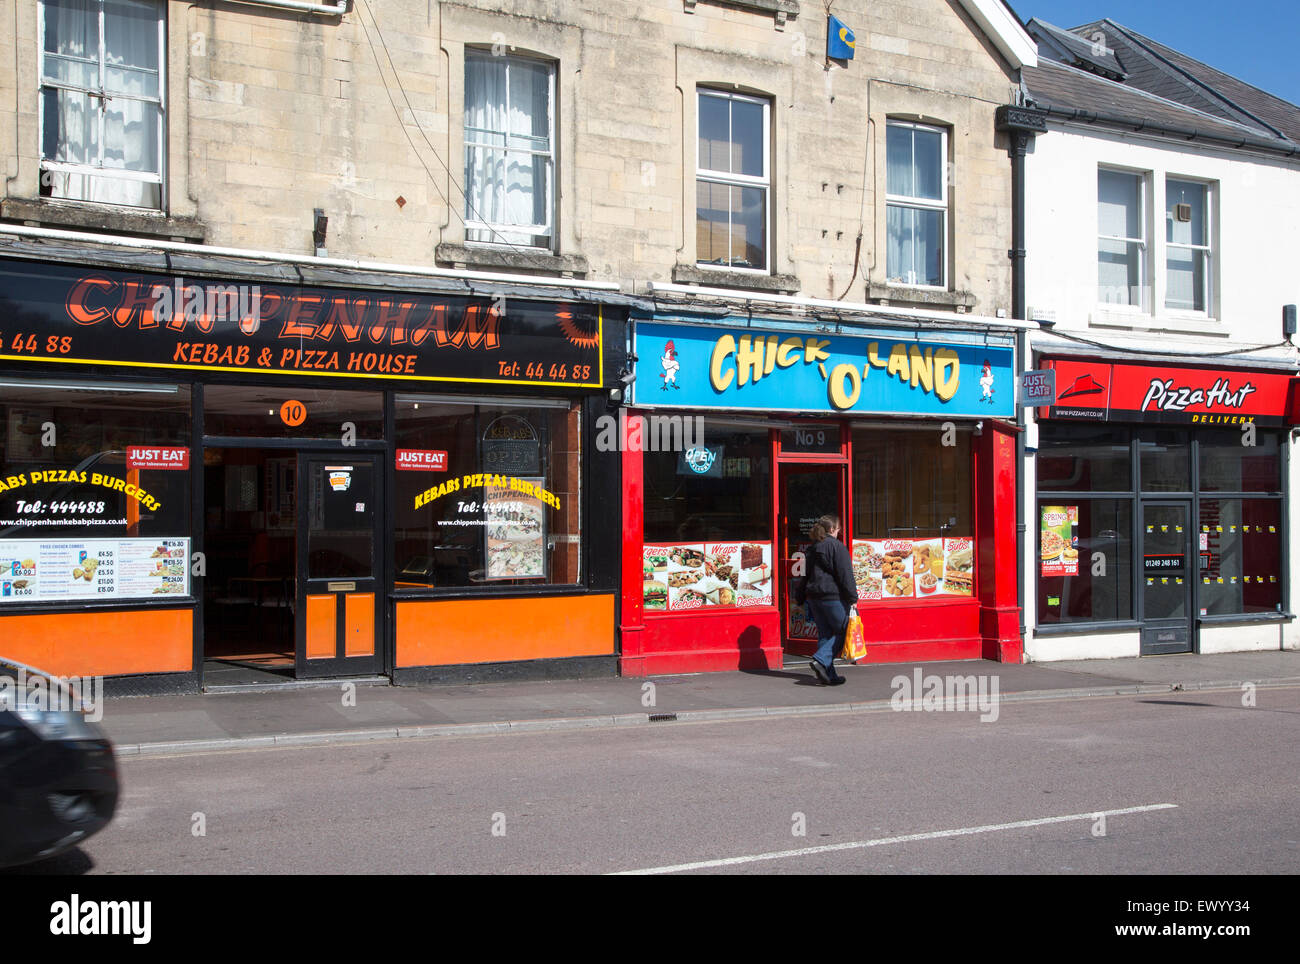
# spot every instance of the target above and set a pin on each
(705, 366)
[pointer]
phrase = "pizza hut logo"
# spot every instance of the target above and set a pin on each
(1162, 396)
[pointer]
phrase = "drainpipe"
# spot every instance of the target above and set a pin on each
(1021, 124)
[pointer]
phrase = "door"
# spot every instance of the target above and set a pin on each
(1166, 578)
(807, 492)
(339, 570)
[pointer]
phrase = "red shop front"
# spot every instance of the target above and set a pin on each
(718, 501)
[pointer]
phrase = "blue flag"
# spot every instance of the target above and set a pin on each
(839, 40)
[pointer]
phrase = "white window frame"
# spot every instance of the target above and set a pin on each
(1144, 244)
(500, 234)
(49, 166)
(1207, 249)
(711, 176)
(917, 203)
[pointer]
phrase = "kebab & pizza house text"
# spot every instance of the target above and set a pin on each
(211, 481)
(1162, 508)
(741, 435)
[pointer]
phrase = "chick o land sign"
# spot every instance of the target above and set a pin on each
(885, 372)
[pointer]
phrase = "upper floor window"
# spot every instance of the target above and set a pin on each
(733, 179)
(101, 103)
(1187, 246)
(1121, 238)
(509, 150)
(916, 204)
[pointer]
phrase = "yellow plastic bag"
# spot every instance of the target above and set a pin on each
(855, 641)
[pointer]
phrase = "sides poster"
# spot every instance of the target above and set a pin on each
(1058, 541)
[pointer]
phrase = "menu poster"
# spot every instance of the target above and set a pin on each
(32, 570)
(896, 577)
(958, 567)
(514, 532)
(868, 558)
(697, 575)
(1060, 546)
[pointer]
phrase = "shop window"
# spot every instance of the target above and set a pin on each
(1085, 460)
(487, 493)
(1165, 460)
(917, 208)
(102, 127)
(910, 484)
(1085, 560)
(1240, 549)
(509, 150)
(247, 411)
(1187, 245)
(708, 521)
(913, 532)
(732, 181)
(94, 491)
(1122, 238)
(1229, 465)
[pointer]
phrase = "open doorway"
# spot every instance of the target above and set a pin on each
(250, 543)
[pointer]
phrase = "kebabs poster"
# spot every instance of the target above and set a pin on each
(694, 575)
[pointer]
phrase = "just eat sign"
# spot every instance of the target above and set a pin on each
(141, 457)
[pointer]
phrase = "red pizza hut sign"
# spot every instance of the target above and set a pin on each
(144, 457)
(421, 460)
(1105, 391)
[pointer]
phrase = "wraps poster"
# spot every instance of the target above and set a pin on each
(698, 574)
(1059, 544)
(514, 532)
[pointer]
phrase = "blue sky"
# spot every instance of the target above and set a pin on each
(1251, 39)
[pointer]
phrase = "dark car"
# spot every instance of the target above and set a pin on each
(58, 775)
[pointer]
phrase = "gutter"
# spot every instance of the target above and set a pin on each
(1241, 143)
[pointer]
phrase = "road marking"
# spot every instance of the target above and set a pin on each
(907, 838)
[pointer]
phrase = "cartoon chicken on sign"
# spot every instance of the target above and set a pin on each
(670, 363)
(986, 382)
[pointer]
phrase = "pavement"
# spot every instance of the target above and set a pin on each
(342, 712)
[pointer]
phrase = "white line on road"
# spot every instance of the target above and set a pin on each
(907, 838)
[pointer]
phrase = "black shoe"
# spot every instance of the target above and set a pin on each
(819, 671)
(836, 680)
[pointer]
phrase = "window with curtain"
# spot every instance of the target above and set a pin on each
(101, 101)
(1187, 246)
(509, 150)
(1121, 238)
(732, 181)
(917, 204)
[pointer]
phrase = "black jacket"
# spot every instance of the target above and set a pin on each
(829, 570)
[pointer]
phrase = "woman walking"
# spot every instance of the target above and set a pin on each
(830, 590)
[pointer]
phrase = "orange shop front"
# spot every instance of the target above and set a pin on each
(741, 435)
(197, 492)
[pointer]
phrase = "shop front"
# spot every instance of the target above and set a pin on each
(1162, 510)
(742, 433)
(210, 479)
